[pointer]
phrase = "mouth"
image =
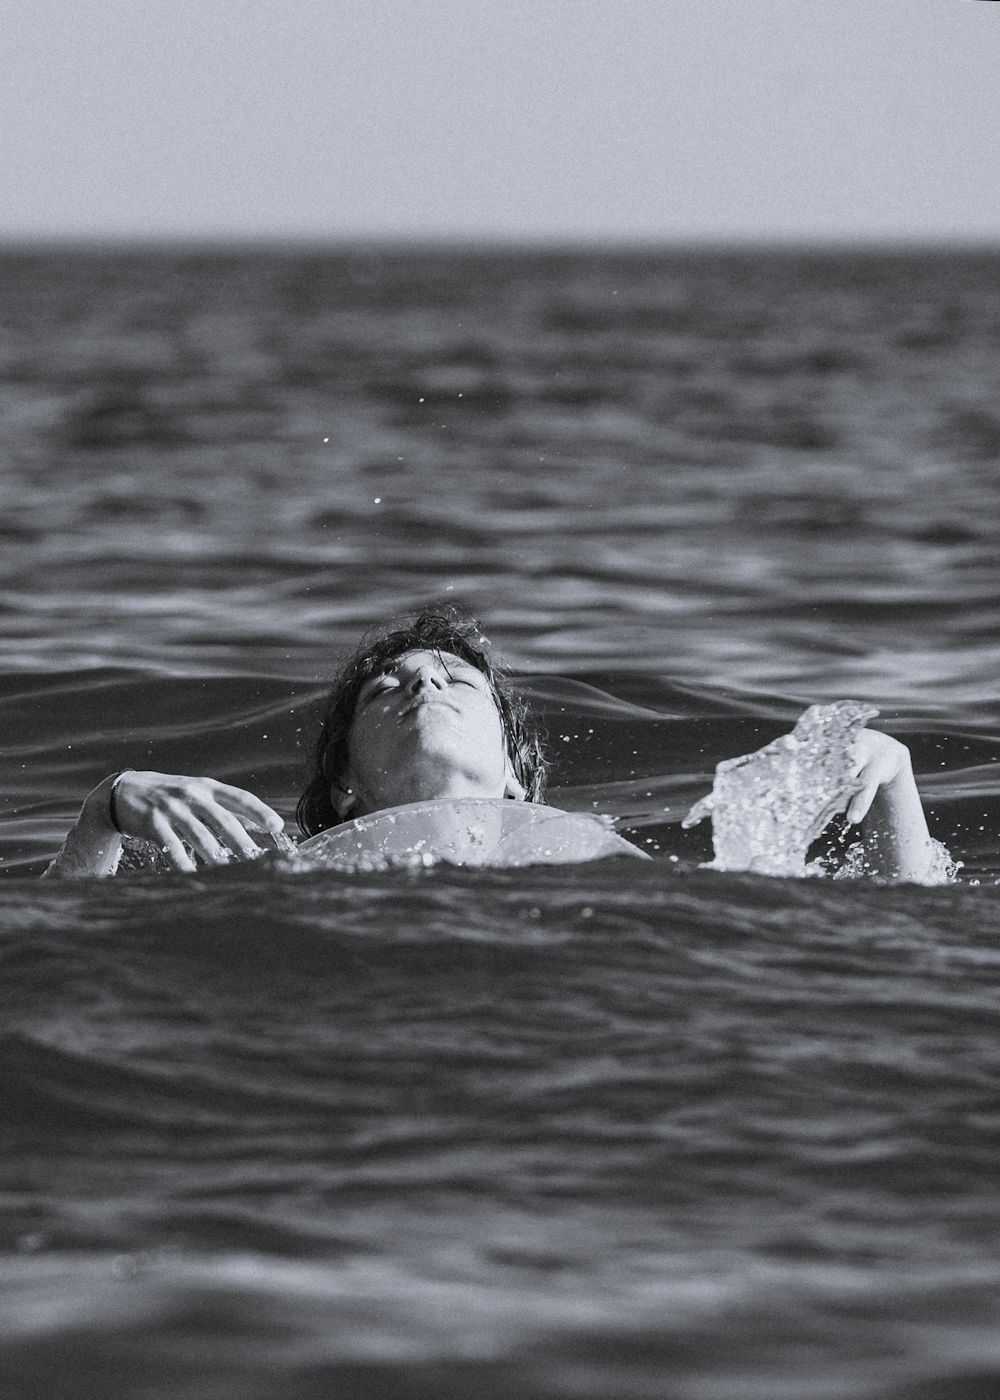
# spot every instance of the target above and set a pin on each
(423, 700)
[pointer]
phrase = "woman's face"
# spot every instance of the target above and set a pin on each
(426, 726)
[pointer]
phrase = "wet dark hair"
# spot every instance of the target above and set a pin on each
(431, 630)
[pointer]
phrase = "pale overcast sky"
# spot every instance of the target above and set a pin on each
(642, 119)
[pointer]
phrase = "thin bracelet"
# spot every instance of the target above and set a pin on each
(112, 813)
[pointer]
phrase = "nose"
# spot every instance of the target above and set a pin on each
(426, 676)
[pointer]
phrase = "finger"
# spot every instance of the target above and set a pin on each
(196, 834)
(171, 845)
(861, 802)
(227, 829)
(861, 757)
(244, 804)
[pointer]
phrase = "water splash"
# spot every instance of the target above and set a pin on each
(768, 807)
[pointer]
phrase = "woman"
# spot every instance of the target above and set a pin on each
(422, 713)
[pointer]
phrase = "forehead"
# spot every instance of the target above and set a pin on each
(418, 656)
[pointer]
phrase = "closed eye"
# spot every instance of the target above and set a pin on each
(378, 687)
(390, 680)
(475, 679)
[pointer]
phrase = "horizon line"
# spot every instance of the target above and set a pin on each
(544, 243)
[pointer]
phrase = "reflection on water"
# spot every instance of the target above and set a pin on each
(628, 1131)
(774, 471)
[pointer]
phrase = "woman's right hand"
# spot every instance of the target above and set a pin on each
(173, 811)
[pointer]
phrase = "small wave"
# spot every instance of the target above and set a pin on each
(370, 1327)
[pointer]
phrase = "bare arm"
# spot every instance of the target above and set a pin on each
(172, 811)
(897, 843)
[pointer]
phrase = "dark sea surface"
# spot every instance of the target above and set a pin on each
(577, 1133)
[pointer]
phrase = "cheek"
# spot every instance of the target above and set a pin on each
(490, 731)
(366, 742)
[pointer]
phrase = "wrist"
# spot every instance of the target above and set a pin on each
(112, 794)
(98, 813)
(902, 788)
(93, 846)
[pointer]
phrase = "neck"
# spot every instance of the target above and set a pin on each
(424, 787)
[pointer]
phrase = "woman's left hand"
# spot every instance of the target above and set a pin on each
(879, 761)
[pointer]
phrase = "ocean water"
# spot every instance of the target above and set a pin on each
(590, 1133)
